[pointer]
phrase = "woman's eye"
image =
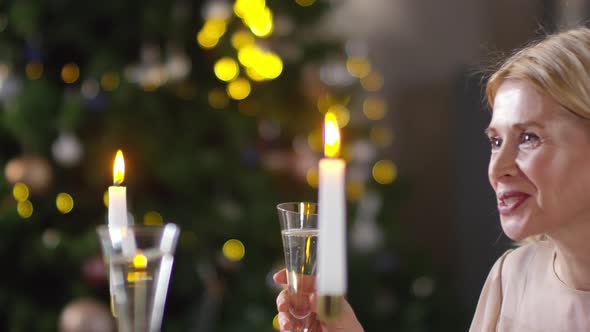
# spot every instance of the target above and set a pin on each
(529, 139)
(495, 142)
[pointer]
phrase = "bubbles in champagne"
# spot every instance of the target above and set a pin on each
(300, 260)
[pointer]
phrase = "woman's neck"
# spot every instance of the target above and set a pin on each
(572, 262)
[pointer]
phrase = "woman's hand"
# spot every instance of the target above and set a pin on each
(347, 322)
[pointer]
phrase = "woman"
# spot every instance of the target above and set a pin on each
(540, 170)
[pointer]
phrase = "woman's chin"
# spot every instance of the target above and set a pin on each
(514, 232)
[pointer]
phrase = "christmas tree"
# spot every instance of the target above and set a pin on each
(218, 107)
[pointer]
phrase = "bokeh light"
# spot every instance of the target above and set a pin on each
(254, 75)
(90, 89)
(354, 190)
(239, 88)
(140, 261)
(64, 203)
(305, 3)
(384, 171)
(241, 39)
(110, 81)
(20, 191)
(70, 73)
(312, 177)
(374, 108)
(260, 21)
(226, 69)
(24, 209)
(260, 64)
(217, 98)
(372, 82)
(242, 7)
(324, 102)
(34, 70)
(269, 65)
(358, 66)
(234, 250)
(214, 28)
(105, 198)
(51, 238)
(205, 41)
(247, 55)
(153, 218)
(342, 114)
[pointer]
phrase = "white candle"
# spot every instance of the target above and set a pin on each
(118, 207)
(332, 215)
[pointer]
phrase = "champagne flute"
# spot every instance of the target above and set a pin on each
(299, 230)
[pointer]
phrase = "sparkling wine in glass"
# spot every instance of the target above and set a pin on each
(299, 231)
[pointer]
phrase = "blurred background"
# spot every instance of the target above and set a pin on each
(218, 107)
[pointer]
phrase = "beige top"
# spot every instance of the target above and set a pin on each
(523, 294)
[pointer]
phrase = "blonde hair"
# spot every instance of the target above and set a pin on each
(558, 66)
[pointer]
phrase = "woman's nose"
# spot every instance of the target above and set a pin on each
(503, 164)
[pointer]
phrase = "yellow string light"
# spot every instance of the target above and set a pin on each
(372, 82)
(34, 70)
(241, 39)
(153, 218)
(384, 171)
(312, 177)
(110, 81)
(205, 41)
(105, 198)
(374, 108)
(217, 98)
(305, 3)
(64, 203)
(358, 66)
(20, 192)
(239, 88)
(260, 21)
(24, 209)
(226, 69)
(342, 114)
(234, 250)
(354, 190)
(70, 73)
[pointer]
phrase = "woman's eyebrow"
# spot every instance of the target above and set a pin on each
(520, 125)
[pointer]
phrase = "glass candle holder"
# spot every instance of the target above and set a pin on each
(140, 262)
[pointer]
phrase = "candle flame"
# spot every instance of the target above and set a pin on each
(119, 168)
(331, 136)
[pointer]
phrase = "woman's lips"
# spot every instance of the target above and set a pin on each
(508, 202)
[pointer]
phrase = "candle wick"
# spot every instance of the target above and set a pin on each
(117, 183)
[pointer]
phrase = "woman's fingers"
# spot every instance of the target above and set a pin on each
(280, 277)
(283, 301)
(285, 321)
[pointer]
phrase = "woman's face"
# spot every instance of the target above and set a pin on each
(540, 162)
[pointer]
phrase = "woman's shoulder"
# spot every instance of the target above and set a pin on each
(514, 261)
